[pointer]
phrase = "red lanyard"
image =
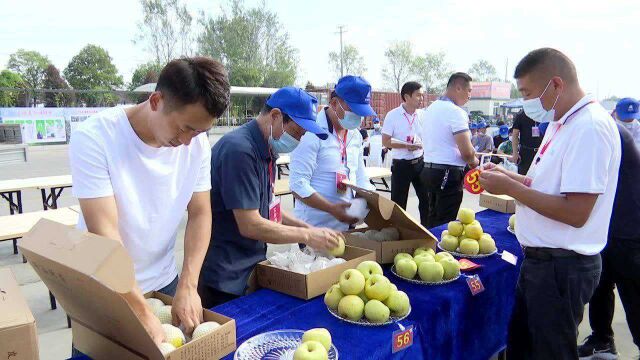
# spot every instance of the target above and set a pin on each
(544, 147)
(413, 119)
(343, 146)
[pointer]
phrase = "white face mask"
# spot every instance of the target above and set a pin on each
(533, 108)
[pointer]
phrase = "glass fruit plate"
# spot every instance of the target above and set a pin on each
(509, 229)
(461, 255)
(365, 322)
(274, 345)
(421, 282)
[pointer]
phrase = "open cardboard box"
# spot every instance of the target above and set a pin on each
(88, 275)
(18, 335)
(501, 203)
(313, 284)
(386, 213)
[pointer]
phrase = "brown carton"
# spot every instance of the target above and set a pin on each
(88, 275)
(313, 284)
(386, 213)
(501, 203)
(18, 334)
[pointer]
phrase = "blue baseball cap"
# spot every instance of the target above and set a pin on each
(299, 106)
(356, 92)
(628, 109)
(482, 125)
(473, 126)
(376, 120)
(504, 131)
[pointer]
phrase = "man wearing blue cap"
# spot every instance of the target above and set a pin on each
(503, 135)
(246, 215)
(318, 168)
(627, 114)
(482, 142)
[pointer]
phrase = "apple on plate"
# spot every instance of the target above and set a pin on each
(333, 296)
(439, 256)
(449, 243)
(431, 271)
(455, 228)
(466, 215)
(407, 268)
(376, 312)
(321, 335)
(473, 231)
(451, 268)
(398, 303)
(368, 268)
(377, 287)
(351, 307)
(351, 282)
(310, 350)
(469, 247)
(401, 256)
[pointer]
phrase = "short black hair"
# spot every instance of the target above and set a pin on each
(409, 88)
(510, 130)
(500, 122)
(459, 77)
(266, 109)
(194, 80)
(547, 61)
(333, 94)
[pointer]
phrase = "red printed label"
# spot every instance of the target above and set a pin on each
(274, 211)
(472, 182)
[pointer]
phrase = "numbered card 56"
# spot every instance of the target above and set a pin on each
(401, 339)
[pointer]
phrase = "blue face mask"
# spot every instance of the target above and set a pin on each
(351, 120)
(285, 144)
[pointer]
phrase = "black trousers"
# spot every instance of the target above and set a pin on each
(444, 203)
(621, 268)
(403, 174)
(211, 297)
(526, 158)
(549, 304)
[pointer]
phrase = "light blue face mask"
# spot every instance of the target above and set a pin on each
(351, 120)
(285, 144)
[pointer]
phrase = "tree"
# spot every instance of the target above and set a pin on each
(352, 60)
(252, 45)
(400, 64)
(53, 80)
(482, 70)
(92, 69)
(165, 31)
(10, 79)
(432, 71)
(145, 74)
(515, 93)
(31, 65)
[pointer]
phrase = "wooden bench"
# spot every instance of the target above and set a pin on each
(380, 174)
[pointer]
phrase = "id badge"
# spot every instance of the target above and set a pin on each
(341, 187)
(274, 210)
(410, 139)
(535, 131)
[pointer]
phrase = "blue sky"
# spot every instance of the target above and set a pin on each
(601, 37)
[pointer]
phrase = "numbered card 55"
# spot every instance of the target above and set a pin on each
(472, 181)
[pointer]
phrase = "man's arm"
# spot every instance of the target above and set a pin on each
(516, 142)
(290, 220)
(386, 141)
(187, 306)
(468, 153)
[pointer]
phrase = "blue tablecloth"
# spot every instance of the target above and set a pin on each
(449, 323)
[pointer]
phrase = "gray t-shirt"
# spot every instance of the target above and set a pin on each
(482, 143)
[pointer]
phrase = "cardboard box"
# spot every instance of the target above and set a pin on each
(501, 203)
(18, 333)
(88, 275)
(313, 284)
(386, 213)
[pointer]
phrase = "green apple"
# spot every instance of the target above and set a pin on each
(339, 250)
(466, 216)
(394, 287)
(422, 250)
(451, 268)
(333, 296)
(475, 222)
(377, 287)
(444, 233)
(351, 307)
(398, 303)
(487, 244)
(320, 335)
(512, 222)
(376, 312)
(455, 228)
(423, 257)
(431, 271)
(368, 268)
(407, 268)
(351, 282)
(473, 231)
(401, 256)
(449, 243)
(310, 350)
(469, 247)
(441, 255)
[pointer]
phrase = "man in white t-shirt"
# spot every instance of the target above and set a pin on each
(564, 206)
(135, 172)
(401, 133)
(447, 150)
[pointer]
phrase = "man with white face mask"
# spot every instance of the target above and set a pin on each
(318, 168)
(627, 114)
(563, 205)
(246, 214)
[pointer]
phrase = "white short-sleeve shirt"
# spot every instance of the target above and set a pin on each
(442, 121)
(401, 125)
(583, 156)
(152, 188)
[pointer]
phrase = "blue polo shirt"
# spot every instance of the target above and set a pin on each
(239, 180)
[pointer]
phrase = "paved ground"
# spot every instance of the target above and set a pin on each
(55, 338)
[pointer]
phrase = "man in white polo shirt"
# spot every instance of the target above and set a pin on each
(447, 150)
(563, 209)
(135, 172)
(401, 133)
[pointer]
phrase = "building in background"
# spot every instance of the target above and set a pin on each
(487, 98)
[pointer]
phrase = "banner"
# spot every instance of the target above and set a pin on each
(38, 125)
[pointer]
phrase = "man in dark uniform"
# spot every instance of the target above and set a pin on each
(527, 137)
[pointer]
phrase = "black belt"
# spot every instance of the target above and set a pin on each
(442, 166)
(410, 161)
(541, 253)
(529, 148)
